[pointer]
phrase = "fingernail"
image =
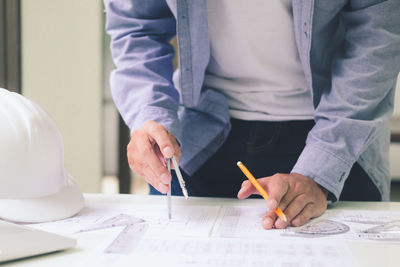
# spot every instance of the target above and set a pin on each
(267, 223)
(167, 151)
(164, 178)
(163, 188)
(271, 203)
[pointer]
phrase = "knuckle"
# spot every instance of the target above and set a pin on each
(301, 199)
(301, 219)
(309, 210)
(148, 124)
(283, 203)
(297, 186)
(158, 127)
(134, 136)
(282, 176)
(146, 150)
(277, 176)
(301, 187)
(159, 169)
(154, 129)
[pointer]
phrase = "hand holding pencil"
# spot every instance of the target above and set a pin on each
(298, 196)
(260, 189)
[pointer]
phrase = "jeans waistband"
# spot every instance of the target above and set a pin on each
(247, 129)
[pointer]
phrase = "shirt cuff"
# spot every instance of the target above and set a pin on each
(324, 167)
(166, 117)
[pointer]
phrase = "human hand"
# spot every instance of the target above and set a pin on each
(299, 197)
(147, 151)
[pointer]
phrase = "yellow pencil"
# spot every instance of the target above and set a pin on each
(260, 189)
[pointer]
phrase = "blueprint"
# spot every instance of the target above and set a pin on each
(195, 221)
(218, 235)
(350, 225)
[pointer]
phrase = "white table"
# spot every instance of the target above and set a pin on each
(367, 254)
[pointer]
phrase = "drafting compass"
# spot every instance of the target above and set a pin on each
(180, 180)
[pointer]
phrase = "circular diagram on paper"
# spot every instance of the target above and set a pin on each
(323, 227)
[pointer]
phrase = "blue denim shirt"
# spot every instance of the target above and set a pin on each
(350, 53)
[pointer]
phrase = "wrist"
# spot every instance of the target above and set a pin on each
(324, 190)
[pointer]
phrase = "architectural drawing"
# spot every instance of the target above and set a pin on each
(320, 228)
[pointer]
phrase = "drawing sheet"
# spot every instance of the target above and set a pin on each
(350, 225)
(120, 234)
(187, 221)
(237, 252)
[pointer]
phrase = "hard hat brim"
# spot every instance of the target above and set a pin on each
(63, 204)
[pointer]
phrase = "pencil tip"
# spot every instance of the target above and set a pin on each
(238, 163)
(185, 193)
(283, 217)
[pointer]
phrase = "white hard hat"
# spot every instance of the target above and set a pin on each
(34, 184)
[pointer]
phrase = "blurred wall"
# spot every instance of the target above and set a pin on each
(62, 71)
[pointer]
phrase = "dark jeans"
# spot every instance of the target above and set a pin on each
(265, 148)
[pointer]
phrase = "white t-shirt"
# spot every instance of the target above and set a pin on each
(254, 60)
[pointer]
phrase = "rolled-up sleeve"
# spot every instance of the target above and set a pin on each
(141, 84)
(356, 109)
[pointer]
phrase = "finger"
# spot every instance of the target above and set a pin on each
(177, 150)
(246, 190)
(151, 178)
(277, 189)
(291, 211)
(159, 154)
(304, 216)
(148, 154)
(269, 220)
(161, 137)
